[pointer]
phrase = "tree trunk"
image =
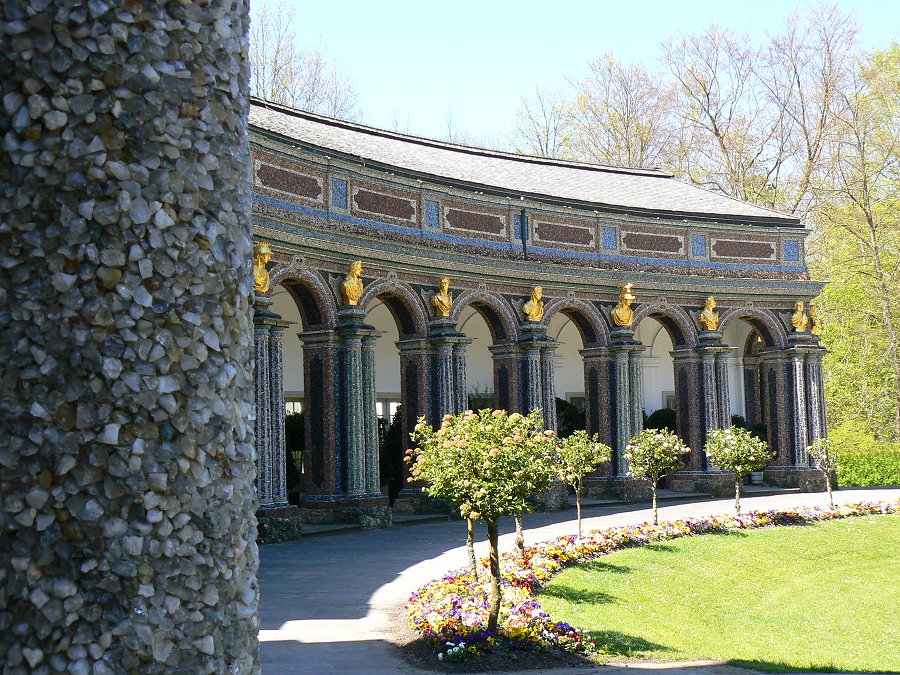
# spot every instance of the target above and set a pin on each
(494, 598)
(470, 547)
(578, 505)
(828, 487)
(520, 536)
(655, 512)
(737, 495)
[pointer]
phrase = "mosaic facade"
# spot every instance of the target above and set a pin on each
(410, 227)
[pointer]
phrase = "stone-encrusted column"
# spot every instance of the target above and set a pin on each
(506, 377)
(262, 428)
(277, 422)
(372, 454)
(415, 369)
(322, 469)
(722, 392)
(815, 396)
(460, 391)
(596, 392)
(548, 381)
(126, 341)
(799, 436)
(688, 405)
(530, 372)
(626, 388)
(752, 402)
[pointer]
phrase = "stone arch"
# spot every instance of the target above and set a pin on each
(495, 310)
(673, 318)
(763, 320)
(403, 303)
(586, 317)
(309, 291)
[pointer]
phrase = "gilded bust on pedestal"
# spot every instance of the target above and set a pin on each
(623, 315)
(709, 319)
(262, 254)
(352, 286)
(799, 320)
(442, 301)
(534, 308)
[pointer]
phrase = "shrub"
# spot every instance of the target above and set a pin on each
(488, 464)
(579, 455)
(664, 418)
(569, 419)
(865, 461)
(739, 451)
(650, 454)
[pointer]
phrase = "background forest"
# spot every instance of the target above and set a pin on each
(802, 121)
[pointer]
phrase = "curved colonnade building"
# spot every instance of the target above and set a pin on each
(592, 239)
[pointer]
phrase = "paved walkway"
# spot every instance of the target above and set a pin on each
(334, 604)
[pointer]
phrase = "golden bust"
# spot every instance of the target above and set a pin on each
(262, 254)
(623, 315)
(352, 286)
(799, 320)
(442, 301)
(814, 320)
(534, 308)
(708, 317)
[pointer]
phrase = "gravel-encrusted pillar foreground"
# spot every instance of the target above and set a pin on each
(126, 458)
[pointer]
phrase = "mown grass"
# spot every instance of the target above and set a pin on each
(819, 597)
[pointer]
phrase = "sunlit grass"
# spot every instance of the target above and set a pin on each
(822, 597)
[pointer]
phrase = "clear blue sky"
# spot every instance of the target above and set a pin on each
(417, 65)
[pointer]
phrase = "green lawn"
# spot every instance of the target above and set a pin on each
(822, 597)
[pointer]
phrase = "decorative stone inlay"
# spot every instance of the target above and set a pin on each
(653, 243)
(559, 233)
(698, 245)
(432, 214)
(384, 204)
(127, 458)
(288, 181)
(473, 221)
(743, 248)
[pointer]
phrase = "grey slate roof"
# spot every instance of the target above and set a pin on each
(640, 189)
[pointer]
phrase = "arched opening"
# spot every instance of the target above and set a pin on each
(307, 367)
(481, 388)
(568, 372)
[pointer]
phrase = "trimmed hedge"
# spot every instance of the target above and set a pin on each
(864, 461)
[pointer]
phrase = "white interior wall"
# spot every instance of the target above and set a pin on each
(479, 365)
(285, 307)
(735, 335)
(387, 356)
(568, 366)
(658, 370)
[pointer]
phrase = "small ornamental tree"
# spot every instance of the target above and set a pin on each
(738, 451)
(487, 463)
(650, 454)
(825, 455)
(579, 455)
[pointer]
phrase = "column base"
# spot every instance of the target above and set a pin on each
(278, 523)
(716, 483)
(415, 500)
(554, 499)
(614, 487)
(807, 479)
(371, 511)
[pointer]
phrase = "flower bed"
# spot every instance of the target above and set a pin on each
(451, 612)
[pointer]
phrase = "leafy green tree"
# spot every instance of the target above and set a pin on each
(488, 463)
(825, 455)
(579, 455)
(650, 454)
(738, 451)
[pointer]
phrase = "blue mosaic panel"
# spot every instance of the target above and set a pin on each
(339, 193)
(698, 245)
(791, 250)
(517, 225)
(610, 240)
(432, 214)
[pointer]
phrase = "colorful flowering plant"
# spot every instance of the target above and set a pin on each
(453, 610)
(738, 451)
